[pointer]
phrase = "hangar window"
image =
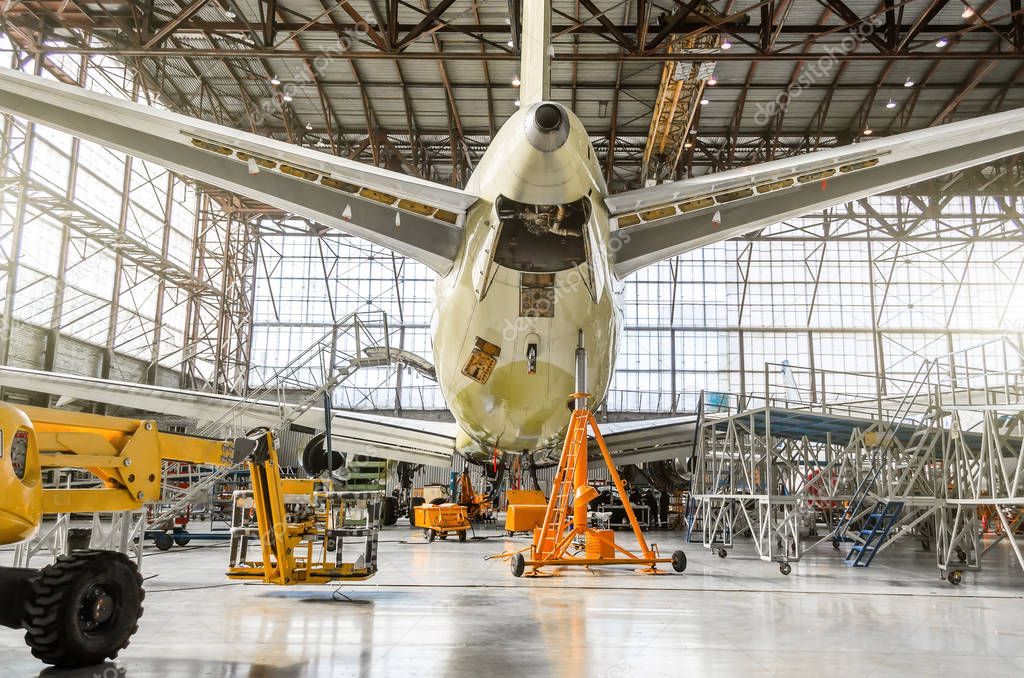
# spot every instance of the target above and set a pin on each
(541, 238)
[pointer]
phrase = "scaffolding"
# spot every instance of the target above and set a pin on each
(115, 267)
(800, 465)
(981, 392)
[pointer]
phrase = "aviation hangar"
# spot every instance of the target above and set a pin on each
(539, 337)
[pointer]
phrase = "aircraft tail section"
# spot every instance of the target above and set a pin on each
(535, 51)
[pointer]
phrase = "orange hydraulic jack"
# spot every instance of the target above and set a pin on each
(565, 538)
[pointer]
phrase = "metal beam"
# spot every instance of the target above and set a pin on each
(168, 28)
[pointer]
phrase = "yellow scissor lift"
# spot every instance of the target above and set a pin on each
(84, 608)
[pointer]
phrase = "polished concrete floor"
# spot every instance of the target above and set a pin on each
(442, 610)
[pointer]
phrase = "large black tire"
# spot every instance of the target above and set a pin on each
(462, 535)
(518, 565)
(437, 501)
(413, 503)
(163, 541)
(679, 561)
(83, 609)
(389, 511)
(431, 535)
(181, 537)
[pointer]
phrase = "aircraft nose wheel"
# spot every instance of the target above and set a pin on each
(83, 609)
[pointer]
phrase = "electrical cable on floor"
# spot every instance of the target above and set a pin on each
(340, 597)
(195, 588)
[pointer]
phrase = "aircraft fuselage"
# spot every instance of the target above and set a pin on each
(533, 271)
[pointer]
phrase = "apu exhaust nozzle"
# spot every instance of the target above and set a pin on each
(547, 126)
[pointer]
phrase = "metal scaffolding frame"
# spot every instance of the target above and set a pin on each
(981, 391)
(781, 465)
(799, 461)
(162, 285)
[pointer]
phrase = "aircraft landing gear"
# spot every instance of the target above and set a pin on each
(79, 611)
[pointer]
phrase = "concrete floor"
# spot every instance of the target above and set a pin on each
(441, 610)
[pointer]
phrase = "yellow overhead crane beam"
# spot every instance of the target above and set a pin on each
(681, 89)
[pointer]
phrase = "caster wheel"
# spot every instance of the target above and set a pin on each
(182, 538)
(462, 536)
(722, 553)
(961, 555)
(835, 544)
(163, 541)
(955, 577)
(518, 565)
(426, 532)
(679, 561)
(83, 609)
(785, 568)
(331, 544)
(431, 535)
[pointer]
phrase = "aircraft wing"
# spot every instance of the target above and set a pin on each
(415, 441)
(411, 216)
(661, 221)
(636, 442)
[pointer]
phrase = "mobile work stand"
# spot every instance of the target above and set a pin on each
(565, 538)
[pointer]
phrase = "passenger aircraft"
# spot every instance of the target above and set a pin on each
(527, 255)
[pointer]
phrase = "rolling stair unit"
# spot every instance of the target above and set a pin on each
(876, 529)
(852, 512)
(893, 473)
(368, 475)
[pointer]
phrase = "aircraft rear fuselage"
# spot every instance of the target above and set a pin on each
(533, 270)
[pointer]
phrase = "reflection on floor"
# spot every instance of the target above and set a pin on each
(441, 610)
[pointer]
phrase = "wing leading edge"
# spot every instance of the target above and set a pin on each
(662, 221)
(418, 442)
(413, 217)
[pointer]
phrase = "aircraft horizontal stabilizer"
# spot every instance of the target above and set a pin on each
(411, 216)
(658, 222)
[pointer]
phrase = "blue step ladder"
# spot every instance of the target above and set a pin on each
(874, 533)
(852, 510)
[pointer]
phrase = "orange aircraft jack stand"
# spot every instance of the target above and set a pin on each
(565, 538)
